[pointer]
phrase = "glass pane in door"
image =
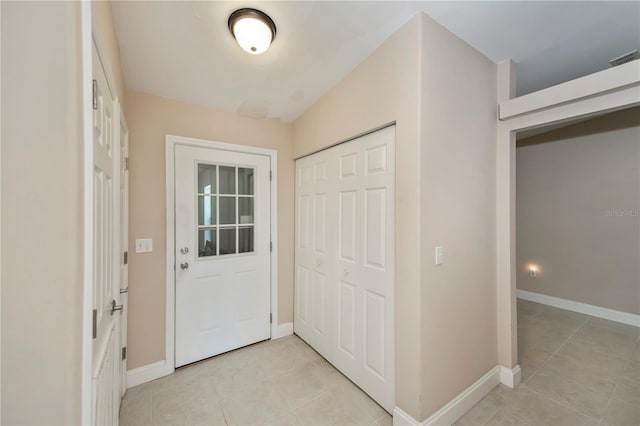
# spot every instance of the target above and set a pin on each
(245, 210)
(227, 180)
(206, 210)
(207, 179)
(228, 241)
(207, 242)
(227, 210)
(245, 181)
(245, 239)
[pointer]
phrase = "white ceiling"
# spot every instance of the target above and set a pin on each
(183, 50)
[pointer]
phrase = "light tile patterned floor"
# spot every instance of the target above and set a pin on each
(576, 370)
(280, 382)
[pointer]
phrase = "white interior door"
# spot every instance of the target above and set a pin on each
(105, 371)
(123, 269)
(344, 301)
(222, 266)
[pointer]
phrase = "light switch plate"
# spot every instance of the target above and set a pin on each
(439, 255)
(144, 245)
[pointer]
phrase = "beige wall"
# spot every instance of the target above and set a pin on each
(458, 299)
(571, 185)
(150, 119)
(442, 95)
(41, 209)
(383, 89)
(104, 26)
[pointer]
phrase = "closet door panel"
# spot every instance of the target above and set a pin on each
(345, 259)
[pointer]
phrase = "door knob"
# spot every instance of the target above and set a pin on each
(184, 266)
(184, 250)
(115, 307)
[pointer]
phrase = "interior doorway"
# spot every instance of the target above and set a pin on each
(577, 270)
(607, 91)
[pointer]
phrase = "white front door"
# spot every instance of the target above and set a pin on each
(106, 285)
(344, 301)
(222, 252)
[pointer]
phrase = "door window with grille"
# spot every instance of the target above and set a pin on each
(225, 210)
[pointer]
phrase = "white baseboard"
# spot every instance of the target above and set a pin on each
(583, 308)
(400, 418)
(458, 406)
(510, 378)
(149, 372)
(283, 330)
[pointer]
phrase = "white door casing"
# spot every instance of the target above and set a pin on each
(345, 247)
(105, 370)
(222, 251)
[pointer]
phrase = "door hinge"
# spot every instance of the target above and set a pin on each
(271, 246)
(125, 257)
(270, 175)
(95, 324)
(124, 353)
(126, 163)
(270, 318)
(94, 99)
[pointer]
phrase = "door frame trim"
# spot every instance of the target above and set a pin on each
(86, 403)
(590, 96)
(171, 142)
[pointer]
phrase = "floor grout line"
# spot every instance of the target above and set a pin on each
(549, 398)
(546, 360)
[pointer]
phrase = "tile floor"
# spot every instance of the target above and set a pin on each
(279, 382)
(576, 370)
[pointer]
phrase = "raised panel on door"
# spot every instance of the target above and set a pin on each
(319, 222)
(347, 211)
(319, 302)
(347, 318)
(303, 294)
(375, 244)
(375, 338)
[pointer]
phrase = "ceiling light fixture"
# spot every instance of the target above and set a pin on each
(253, 29)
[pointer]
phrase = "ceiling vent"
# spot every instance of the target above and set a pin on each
(627, 57)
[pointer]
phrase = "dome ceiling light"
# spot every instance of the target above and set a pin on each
(253, 29)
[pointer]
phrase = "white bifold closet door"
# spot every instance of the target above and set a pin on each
(344, 283)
